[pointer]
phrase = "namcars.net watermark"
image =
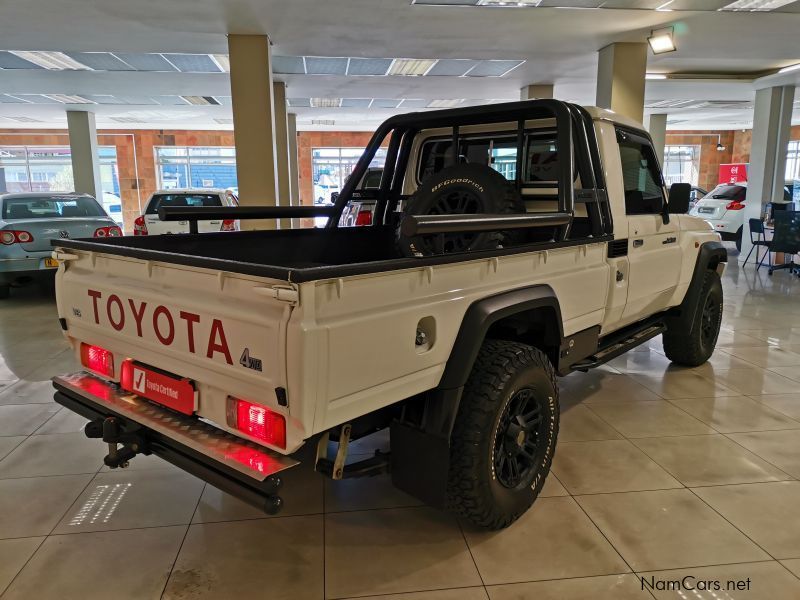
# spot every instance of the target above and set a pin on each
(690, 583)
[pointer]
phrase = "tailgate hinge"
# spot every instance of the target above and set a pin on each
(280, 292)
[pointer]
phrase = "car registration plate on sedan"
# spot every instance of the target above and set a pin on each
(50, 263)
(705, 211)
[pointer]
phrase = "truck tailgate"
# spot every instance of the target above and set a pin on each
(225, 332)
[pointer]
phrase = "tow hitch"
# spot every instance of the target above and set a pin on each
(114, 433)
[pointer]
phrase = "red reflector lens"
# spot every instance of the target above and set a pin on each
(735, 205)
(364, 217)
(258, 421)
(97, 359)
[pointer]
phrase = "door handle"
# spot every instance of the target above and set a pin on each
(670, 240)
(638, 243)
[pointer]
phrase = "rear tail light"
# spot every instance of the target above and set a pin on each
(364, 217)
(257, 421)
(97, 359)
(9, 237)
(228, 225)
(735, 205)
(112, 231)
(139, 226)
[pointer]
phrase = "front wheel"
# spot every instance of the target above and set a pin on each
(504, 436)
(693, 344)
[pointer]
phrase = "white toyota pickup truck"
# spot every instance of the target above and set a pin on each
(511, 244)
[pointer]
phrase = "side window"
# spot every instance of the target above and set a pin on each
(642, 180)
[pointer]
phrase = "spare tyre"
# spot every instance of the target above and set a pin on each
(456, 190)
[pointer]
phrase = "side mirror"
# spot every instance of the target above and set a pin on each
(679, 194)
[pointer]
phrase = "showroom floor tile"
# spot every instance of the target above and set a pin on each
(661, 472)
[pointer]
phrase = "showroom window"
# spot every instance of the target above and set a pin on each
(49, 169)
(330, 168)
(793, 161)
(681, 164)
(195, 167)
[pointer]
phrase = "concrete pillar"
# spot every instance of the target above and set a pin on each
(772, 120)
(83, 147)
(253, 123)
(657, 126)
(529, 92)
(282, 149)
(621, 70)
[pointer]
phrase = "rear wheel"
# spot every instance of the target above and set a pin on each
(694, 344)
(504, 437)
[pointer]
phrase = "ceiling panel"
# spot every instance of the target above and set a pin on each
(452, 67)
(100, 61)
(12, 61)
(326, 66)
(288, 65)
(414, 103)
(193, 63)
(493, 68)
(146, 62)
(369, 66)
(37, 98)
(356, 102)
(5, 99)
(385, 103)
(300, 102)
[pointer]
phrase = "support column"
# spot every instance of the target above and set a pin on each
(83, 148)
(621, 70)
(253, 123)
(294, 178)
(772, 120)
(530, 92)
(657, 126)
(282, 149)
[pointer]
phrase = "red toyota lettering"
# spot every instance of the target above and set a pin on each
(113, 299)
(170, 337)
(138, 315)
(222, 346)
(95, 295)
(191, 319)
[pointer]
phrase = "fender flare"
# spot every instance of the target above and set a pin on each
(481, 315)
(710, 255)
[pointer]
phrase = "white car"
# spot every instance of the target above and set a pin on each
(723, 208)
(149, 223)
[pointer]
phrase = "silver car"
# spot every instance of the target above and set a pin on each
(29, 221)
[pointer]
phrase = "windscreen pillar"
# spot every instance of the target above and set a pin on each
(657, 126)
(772, 121)
(83, 148)
(621, 70)
(254, 127)
(533, 91)
(282, 149)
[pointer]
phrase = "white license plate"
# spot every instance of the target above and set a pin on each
(706, 211)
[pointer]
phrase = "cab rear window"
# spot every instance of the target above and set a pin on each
(191, 200)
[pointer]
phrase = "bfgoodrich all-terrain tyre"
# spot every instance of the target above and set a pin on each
(460, 189)
(692, 344)
(504, 435)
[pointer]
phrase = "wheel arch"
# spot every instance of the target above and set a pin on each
(709, 258)
(531, 315)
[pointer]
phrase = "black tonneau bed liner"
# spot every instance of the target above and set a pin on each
(294, 255)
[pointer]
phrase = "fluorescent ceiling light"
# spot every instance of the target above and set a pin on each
(55, 61)
(223, 62)
(663, 7)
(323, 122)
(450, 103)
(655, 76)
(662, 40)
(201, 100)
(756, 5)
(69, 99)
(326, 102)
(411, 66)
(790, 68)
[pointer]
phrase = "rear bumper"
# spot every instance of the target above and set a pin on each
(227, 462)
(32, 265)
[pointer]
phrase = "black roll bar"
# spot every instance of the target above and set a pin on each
(428, 224)
(208, 213)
